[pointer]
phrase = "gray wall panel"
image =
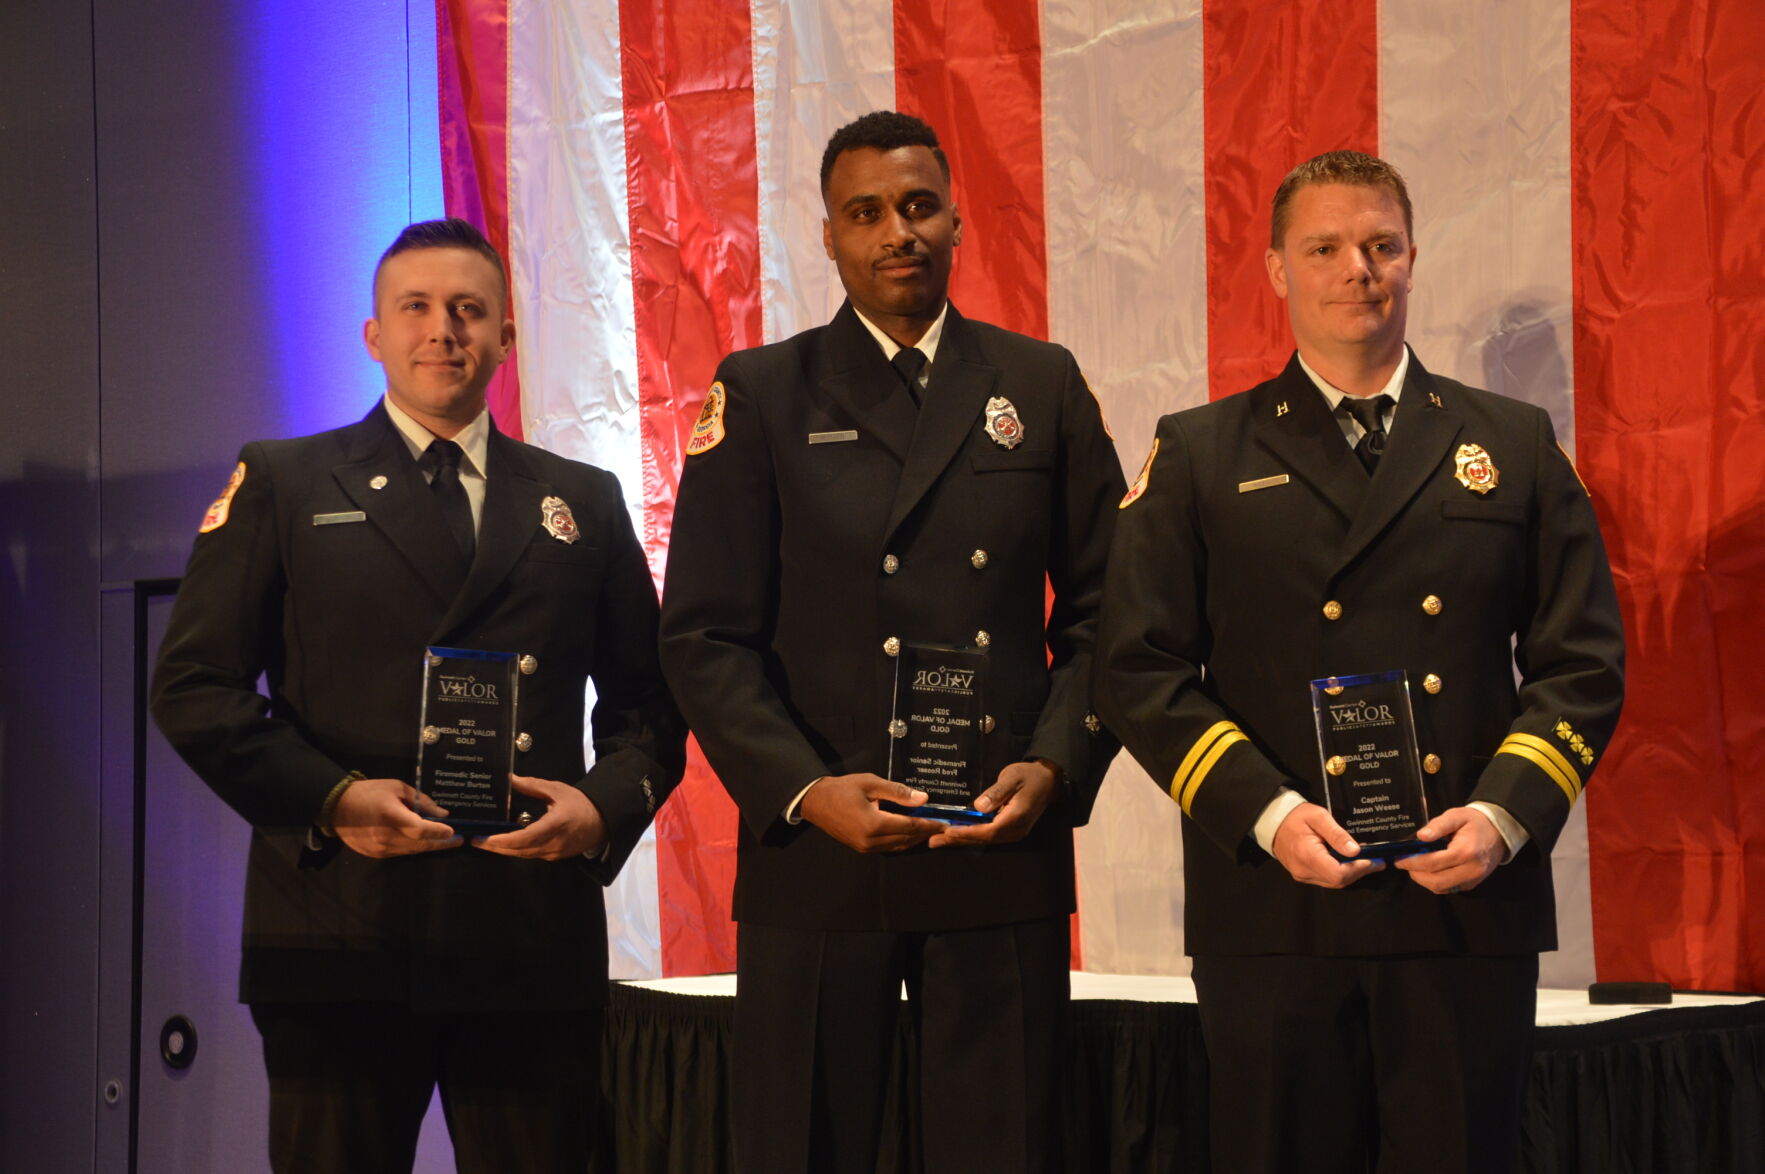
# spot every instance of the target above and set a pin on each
(49, 506)
(179, 178)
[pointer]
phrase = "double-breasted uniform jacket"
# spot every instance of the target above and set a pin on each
(831, 516)
(336, 616)
(1258, 556)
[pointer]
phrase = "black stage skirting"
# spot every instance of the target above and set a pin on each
(1674, 1091)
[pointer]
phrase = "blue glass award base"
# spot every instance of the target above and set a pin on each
(944, 812)
(1391, 850)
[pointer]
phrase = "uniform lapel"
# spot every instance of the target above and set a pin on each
(512, 496)
(1293, 421)
(1424, 425)
(401, 508)
(955, 399)
(857, 377)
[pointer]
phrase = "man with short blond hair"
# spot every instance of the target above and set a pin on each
(1357, 515)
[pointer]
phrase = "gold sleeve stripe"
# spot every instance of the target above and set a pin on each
(1220, 737)
(1194, 756)
(1213, 756)
(1547, 758)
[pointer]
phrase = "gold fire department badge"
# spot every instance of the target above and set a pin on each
(1474, 469)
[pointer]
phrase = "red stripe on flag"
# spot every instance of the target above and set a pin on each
(693, 194)
(977, 80)
(1284, 80)
(472, 48)
(975, 73)
(1669, 258)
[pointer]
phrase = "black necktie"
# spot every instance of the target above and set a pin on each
(1370, 415)
(442, 461)
(908, 363)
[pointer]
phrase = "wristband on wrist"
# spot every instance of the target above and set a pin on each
(328, 810)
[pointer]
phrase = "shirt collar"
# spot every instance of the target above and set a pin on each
(1393, 386)
(473, 439)
(927, 345)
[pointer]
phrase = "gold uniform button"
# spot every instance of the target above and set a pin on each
(1093, 723)
(891, 564)
(529, 665)
(1431, 605)
(978, 560)
(1431, 683)
(524, 742)
(981, 639)
(986, 723)
(892, 646)
(1431, 764)
(1332, 610)
(1336, 764)
(897, 729)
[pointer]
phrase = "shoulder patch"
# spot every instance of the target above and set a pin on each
(707, 431)
(216, 517)
(1100, 413)
(1573, 469)
(1139, 485)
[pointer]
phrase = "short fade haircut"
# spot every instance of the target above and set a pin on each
(883, 130)
(1349, 167)
(452, 233)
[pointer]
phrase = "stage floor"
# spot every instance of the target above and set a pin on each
(1556, 1008)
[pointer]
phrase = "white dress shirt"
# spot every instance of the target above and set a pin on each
(474, 441)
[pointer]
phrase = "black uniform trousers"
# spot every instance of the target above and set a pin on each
(1295, 1042)
(816, 1017)
(351, 1082)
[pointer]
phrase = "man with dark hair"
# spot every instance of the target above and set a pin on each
(383, 954)
(881, 130)
(1357, 515)
(900, 478)
(452, 233)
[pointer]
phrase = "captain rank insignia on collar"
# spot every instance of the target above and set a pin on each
(1281, 409)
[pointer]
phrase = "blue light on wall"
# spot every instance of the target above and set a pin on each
(347, 152)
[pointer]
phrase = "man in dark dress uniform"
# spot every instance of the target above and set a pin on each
(901, 476)
(1355, 515)
(382, 954)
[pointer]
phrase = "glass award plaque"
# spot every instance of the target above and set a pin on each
(937, 730)
(466, 739)
(1372, 769)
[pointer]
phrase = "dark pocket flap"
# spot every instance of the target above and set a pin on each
(550, 550)
(1512, 512)
(1006, 460)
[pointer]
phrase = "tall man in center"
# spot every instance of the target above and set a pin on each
(901, 476)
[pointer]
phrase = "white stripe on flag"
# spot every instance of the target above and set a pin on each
(570, 261)
(1475, 114)
(1122, 126)
(816, 67)
(569, 241)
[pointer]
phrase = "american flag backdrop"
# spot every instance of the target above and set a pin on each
(1581, 171)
